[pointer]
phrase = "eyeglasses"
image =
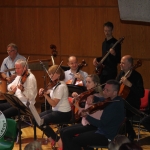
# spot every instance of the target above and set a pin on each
(10, 51)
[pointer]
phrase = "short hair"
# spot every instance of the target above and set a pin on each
(73, 57)
(109, 24)
(115, 83)
(130, 146)
(35, 145)
(22, 62)
(13, 45)
(60, 71)
(130, 59)
(117, 142)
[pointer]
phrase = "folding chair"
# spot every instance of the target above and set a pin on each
(145, 102)
(137, 113)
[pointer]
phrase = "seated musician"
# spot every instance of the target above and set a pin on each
(24, 87)
(101, 130)
(57, 97)
(9, 63)
(92, 82)
(73, 73)
(134, 82)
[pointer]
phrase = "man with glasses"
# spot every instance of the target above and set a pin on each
(9, 62)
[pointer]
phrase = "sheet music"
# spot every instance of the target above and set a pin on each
(36, 115)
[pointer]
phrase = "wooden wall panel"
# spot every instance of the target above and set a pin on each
(74, 26)
(82, 30)
(33, 29)
(88, 3)
(29, 3)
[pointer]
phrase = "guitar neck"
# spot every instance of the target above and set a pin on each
(102, 60)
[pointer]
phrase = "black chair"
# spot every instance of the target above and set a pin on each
(121, 131)
(138, 115)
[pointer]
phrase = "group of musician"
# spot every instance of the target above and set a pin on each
(96, 128)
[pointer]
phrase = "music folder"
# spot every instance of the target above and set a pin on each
(35, 114)
(29, 110)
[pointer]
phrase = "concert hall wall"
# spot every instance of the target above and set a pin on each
(74, 26)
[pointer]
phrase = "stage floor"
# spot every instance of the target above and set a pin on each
(28, 136)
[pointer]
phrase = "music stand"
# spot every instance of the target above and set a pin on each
(75, 88)
(22, 109)
(35, 65)
(65, 68)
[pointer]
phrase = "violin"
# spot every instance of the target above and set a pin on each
(84, 95)
(125, 90)
(24, 77)
(75, 82)
(95, 107)
(49, 86)
(52, 83)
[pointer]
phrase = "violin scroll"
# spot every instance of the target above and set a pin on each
(54, 51)
(24, 76)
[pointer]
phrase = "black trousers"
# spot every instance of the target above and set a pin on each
(104, 78)
(146, 122)
(8, 110)
(53, 117)
(77, 136)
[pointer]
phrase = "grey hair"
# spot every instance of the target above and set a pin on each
(13, 45)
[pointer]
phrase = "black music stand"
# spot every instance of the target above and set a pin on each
(79, 89)
(22, 109)
(75, 88)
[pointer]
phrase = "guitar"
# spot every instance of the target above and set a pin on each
(124, 90)
(100, 65)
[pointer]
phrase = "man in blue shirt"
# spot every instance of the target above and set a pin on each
(108, 125)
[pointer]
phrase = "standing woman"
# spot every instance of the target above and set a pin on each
(68, 133)
(57, 97)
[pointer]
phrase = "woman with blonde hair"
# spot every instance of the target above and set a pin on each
(92, 82)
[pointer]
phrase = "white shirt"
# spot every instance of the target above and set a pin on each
(61, 92)
(30, 89)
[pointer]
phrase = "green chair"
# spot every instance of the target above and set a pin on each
(8, 140)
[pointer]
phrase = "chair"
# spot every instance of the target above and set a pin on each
(7, 141)
(145, 102)
(121, 131)
(59, 126)
(137, 113)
